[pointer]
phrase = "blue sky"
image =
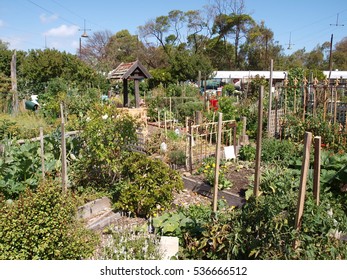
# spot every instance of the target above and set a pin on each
(33, 24)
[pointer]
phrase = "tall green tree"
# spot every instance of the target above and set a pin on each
(41, 66)
(260, 48)
(340, 55)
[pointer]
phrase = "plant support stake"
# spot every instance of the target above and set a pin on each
(216, 174)
(42, 153)
(317, 163)
(63, 150)
(258, 148)
(303, 179)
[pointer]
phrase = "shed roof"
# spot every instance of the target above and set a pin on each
(130, 70)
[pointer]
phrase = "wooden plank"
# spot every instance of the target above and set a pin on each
(317, 167)
(258, 147)
(303, 180)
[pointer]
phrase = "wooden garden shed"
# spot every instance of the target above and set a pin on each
(130, 71)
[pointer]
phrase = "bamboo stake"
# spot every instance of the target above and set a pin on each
(187, 145)
(159, 124)
(165, 127)
(190, 147)
(258, 148)
(270, 100)
(63, 150)
(42, 154)
(216, 173)
(317, 164)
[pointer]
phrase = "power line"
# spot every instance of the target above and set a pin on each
(52, 13)
(75, 14)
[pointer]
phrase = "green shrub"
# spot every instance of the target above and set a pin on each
(281, 152)
(145, 185)
(228, 90)
(227, 106)
(23, 126)
(177, 157)
(42, 225)
(247, 153)
(187, 109)
(107, 133)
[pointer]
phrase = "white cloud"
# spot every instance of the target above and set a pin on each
(46, 19)
(2, 23)
(62, 31)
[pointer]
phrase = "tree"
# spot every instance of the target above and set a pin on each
(41, 66)
(185, 66)
(296, 59)
(340, 54)
(3, 45)
(315, 58)
(232, 21)
(122, 47)
(93, 52)
(156, 29)
(259, 48)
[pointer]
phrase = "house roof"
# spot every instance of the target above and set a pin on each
(247, 74)
(277, 75)
(131, 70)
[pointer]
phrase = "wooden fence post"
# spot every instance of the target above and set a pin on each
(317, 163)
(258, 148)
(42, 153)
(216, 173)
(63, 150)
(303, 180)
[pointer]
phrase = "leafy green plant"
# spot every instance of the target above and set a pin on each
(227, 106)
(177, 157)
(228, 90)
(247, 153)
(281, 152)
(43, 225)
(20, 167)
(145, 184)
(107, 134)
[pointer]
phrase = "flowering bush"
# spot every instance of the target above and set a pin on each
(208, 170)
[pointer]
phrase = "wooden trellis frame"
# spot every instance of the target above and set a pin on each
(201, 140)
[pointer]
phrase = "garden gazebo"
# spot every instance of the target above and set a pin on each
(130, 71)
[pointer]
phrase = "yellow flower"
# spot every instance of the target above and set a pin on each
(213, 165)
